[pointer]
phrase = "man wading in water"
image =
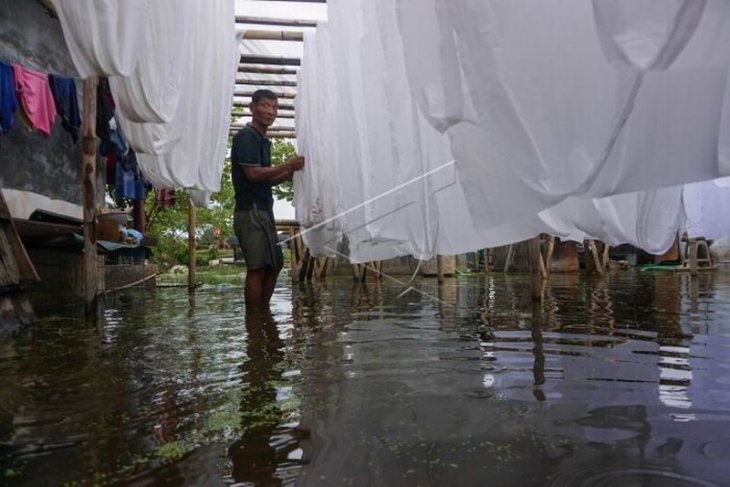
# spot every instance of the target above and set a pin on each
(253, 221)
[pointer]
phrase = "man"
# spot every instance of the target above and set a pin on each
(253, 176)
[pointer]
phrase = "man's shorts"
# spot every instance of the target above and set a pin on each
(256, 232)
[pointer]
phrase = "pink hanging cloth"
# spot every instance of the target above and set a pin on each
(36, 98)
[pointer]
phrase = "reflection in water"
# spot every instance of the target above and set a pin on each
(253, 456)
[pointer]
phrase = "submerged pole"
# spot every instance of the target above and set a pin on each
(191, 245)
(88, 187)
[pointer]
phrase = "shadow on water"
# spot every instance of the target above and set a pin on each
(614, 381)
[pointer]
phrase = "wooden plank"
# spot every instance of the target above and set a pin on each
(26, 271)
(274, 35)
(88, 185)
(270, 60)
(245, 19)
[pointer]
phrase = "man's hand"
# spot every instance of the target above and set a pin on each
(296, 163)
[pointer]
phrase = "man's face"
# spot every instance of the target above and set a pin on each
(264, 111)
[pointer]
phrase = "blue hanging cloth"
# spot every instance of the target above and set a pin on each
(8, 98)
(67, 103)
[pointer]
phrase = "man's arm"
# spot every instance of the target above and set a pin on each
(274, 174)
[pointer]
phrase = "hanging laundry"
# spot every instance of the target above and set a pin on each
(67, 103)
(116, 143)
(35, 97)
(8, 100)
(130, 183)
(165, 197)
(104, 109)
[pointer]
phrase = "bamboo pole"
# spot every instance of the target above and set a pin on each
(191, 246)
(244, 19)
(274, 35)
(88, 185)
(266, 70)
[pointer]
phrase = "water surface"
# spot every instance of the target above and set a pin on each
(615, 381)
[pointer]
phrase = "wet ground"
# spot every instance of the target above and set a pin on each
(619, 381)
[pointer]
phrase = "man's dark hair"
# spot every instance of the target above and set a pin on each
(259, 94)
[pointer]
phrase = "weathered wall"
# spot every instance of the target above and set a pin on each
(28, 161)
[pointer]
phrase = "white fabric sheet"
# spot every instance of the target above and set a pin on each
(568, 118)
(105, 37)
(172, 66)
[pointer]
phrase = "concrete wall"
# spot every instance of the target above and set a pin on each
(30, 162)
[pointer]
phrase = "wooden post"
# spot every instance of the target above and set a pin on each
(139, 216)
(486, 261)
(549, 255)
(191, 245)
(508, 260)
(440, 269)
(88, 185)
(535, 277)
(596, 259)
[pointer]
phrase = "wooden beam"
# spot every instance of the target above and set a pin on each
(280, 115)
(245, 19)
(250, 94)
(265, 70)
(307, 1)
(271, 60)
(274, 35)
(88, 188)
(241, 103)
(265, 82)
(273, 128)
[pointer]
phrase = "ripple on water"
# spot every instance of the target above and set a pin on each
(622, 476)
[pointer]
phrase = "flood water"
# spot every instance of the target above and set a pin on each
(618, 381)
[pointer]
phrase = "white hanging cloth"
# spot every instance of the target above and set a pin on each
(152, 91)
(550, 147)
(105, 37)
(172, 67)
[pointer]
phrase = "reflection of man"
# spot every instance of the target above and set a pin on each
(253, 176)
(253, 457)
